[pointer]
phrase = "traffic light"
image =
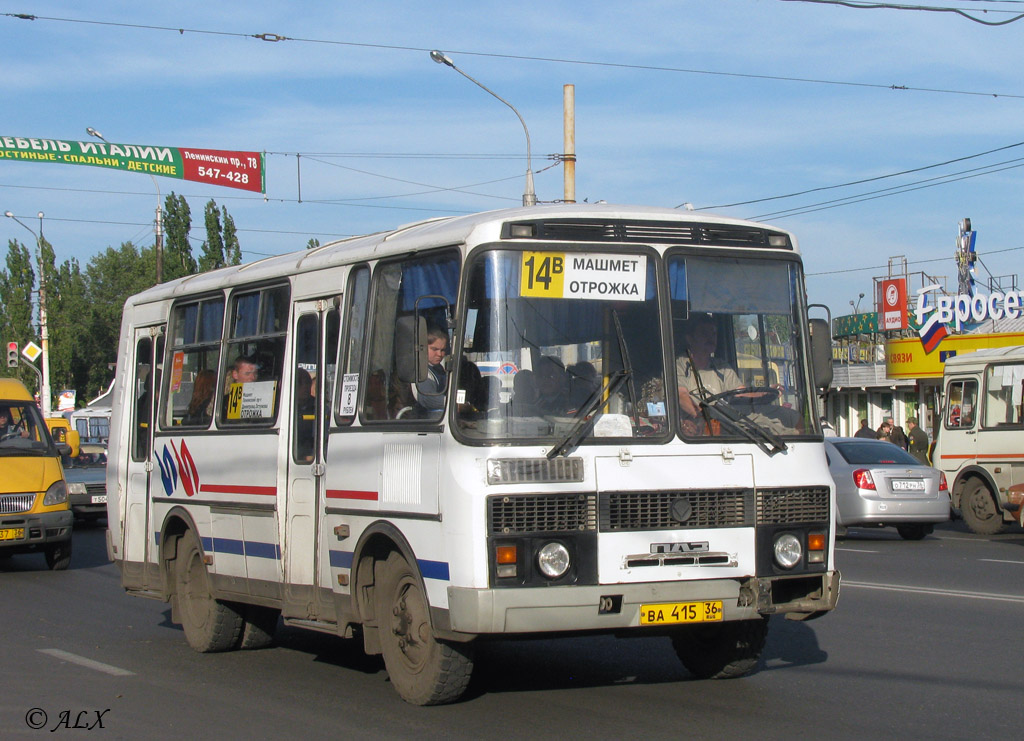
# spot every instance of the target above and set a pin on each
(12, 354)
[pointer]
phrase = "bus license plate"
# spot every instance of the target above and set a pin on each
(681, 612)
(12, 533)
(99, 499)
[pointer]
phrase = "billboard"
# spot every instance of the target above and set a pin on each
(231, 169)
(893, 303)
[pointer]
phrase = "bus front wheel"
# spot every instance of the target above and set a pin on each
(979, 510)
(209, 624)
(423, 669)
(721, 650)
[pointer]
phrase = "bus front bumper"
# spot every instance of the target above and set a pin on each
(618, 606)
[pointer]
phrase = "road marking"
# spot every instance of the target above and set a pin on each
(996, 560)
(89, 663)
(934, 591)
(854, 550)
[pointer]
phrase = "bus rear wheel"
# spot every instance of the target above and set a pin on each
(979, 510)
(721, 650)
(423, 669)
(209, 624)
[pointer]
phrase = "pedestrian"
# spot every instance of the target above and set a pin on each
(884, 432)
(896, 434)
(865, 431)
(827, 429)
(918, 441)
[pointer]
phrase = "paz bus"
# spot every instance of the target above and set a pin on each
(979, 442)
(309, 438)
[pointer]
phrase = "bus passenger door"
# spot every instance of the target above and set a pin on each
(140, 552)
(315, 334)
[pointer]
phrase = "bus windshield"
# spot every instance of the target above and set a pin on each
(561, 343)
(737, 334)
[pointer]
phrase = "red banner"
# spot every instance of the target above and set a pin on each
(217, 167)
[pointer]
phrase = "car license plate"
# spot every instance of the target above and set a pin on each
(12, 533)
(681, 612)
(99, 499)
(907, 485)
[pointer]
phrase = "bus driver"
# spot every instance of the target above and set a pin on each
(701, 336)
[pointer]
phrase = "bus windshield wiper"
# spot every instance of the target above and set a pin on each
(586, 418)
(754, 432)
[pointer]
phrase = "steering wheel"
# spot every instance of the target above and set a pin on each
(752, 394)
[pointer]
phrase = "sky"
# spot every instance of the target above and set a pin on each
(707, 103)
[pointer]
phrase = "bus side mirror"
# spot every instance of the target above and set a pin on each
(411, 348)
(821, 353)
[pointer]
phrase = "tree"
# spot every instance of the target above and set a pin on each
(313, 243)
(232, 249)
(213, 248)
(178, 260)
(17, 282)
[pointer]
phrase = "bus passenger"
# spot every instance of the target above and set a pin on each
(430, 391)
(245, 370)
(552, 385)
(701, 336)
(200, 407)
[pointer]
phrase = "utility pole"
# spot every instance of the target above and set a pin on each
(569, 143)
(44, 334)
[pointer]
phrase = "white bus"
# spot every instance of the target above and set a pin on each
(285, 444)
(979, 442)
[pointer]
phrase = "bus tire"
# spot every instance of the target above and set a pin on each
(979, 510)
(58, 557)
(209, 624)
(423, 669)
(258, 627)
(721, 650)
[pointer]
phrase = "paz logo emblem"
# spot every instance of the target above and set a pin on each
(681, 509)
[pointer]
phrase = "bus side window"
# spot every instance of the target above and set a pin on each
(254, 356)
(421, 288)
(351, 353)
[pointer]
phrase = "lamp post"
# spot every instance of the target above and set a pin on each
(44, 335)
(159, 248)
(529, 196)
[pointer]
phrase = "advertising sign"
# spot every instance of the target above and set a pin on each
(893, 309)
(243, 170)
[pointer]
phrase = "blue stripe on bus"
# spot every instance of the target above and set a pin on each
(430, 569)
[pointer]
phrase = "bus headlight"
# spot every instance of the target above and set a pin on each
(788, 551)
(553, 560)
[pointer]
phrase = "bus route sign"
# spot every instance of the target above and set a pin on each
(576, 275)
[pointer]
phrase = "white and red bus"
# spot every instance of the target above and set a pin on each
(286, 442)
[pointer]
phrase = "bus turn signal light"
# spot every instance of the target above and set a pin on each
(506, 557)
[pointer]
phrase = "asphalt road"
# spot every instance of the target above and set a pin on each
(926, 641)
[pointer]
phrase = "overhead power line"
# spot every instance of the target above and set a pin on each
(926, 8)
(276, 38)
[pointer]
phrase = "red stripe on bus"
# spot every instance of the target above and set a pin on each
(346, 494)
(982, 457)
(268, 491)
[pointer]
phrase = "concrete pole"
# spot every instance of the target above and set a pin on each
(569, 145)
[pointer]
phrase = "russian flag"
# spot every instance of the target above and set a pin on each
(932, 333)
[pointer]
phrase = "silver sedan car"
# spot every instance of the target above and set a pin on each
(879, 484)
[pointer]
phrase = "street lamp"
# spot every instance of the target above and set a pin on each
(529, 196)
(44, 335)
(159, 215)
